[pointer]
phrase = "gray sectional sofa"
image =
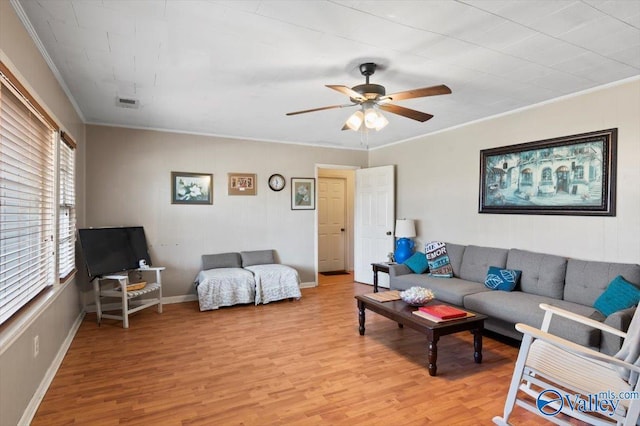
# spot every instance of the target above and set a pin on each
(567, 283)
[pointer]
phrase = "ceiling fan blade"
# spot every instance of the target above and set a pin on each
(346, 91)
(406, 112)
(320, 109)
(419, 93)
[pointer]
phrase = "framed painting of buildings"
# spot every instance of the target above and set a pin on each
(570, 175)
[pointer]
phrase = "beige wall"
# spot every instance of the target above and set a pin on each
(20, 372)
(128, 183)
(437, 179)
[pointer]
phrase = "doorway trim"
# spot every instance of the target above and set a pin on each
(350, 213)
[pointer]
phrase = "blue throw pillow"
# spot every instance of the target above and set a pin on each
(502, 279)
(620, 294)
(417, 263)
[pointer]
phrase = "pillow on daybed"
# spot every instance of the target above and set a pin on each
(258, 257)
(620, 294)
(502, 279)
(417, 263)
(222, 260)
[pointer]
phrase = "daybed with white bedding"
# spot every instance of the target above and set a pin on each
(248, 277)
(223, 282)
(273, 281)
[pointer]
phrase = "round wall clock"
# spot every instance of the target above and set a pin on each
(276, 182)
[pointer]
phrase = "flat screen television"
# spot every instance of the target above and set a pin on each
(110, 250)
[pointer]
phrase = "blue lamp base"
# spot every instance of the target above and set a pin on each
(404, 249)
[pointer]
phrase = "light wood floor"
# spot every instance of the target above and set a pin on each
(299, 363)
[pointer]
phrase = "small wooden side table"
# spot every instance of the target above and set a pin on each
(379, 267)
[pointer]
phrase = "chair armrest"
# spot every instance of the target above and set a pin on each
(399, 269)
(574, 347)
(554, 310)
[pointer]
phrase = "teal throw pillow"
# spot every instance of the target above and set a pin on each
(620, 294)
(502, 279)
(417, 263)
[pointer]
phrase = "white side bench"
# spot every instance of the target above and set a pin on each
(118, 290)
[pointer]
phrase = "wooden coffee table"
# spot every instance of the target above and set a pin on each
(401, 313)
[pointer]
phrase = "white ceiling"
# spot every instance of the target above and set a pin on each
(234, 68)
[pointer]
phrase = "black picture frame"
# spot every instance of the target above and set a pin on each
(191, 188)
(569, 175)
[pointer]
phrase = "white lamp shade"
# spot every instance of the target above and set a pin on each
(355, 120)
(381, 122)
(405, 228)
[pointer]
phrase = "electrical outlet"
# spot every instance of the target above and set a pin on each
(36, 346)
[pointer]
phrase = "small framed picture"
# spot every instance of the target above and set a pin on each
(303, 194)
(191, 188)
(242, 184)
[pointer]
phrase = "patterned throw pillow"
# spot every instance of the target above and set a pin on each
(417, 263)
(438, 260)
(620, 294)
(502, 279)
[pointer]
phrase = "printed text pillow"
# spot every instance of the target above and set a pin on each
(438, 260)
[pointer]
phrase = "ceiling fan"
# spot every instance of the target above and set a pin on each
(372, 98)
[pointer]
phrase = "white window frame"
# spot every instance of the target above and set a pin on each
(28, 197)
(66, 207)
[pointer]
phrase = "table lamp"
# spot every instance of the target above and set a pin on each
(405, 229)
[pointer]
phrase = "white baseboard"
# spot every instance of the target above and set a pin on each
(309, 284)
(31, 409)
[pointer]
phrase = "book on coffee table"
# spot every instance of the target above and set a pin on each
(444, 311)
(435, 318)
(384, 296)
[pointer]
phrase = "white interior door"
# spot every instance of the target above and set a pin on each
(375, 216)
(331, 224)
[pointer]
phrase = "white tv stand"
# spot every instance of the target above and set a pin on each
(119, 290)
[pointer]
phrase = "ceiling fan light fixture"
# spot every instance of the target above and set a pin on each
(373, 119)
(381, 122)
(355, 121)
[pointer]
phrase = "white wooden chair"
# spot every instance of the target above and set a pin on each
(551, 371)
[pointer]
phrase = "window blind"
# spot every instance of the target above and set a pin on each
(27, 199)
(67, 208)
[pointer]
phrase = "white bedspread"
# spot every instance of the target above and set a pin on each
(275, 282)
(225, 287)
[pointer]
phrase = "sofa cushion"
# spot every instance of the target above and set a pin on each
(542, 274)
(620, 294)
(476, 261)
(586, 280)
(517, 306)
(451, 290)
(502, 279)
(258, 257)
(439, 264)
(455, 253)
(221, 260)
(417, 263)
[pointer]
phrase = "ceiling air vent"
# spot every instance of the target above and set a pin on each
(127, 103)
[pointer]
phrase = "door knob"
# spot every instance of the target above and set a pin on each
(341, 229)
(388, 232)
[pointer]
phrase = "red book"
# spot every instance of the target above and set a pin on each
(443, 311)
